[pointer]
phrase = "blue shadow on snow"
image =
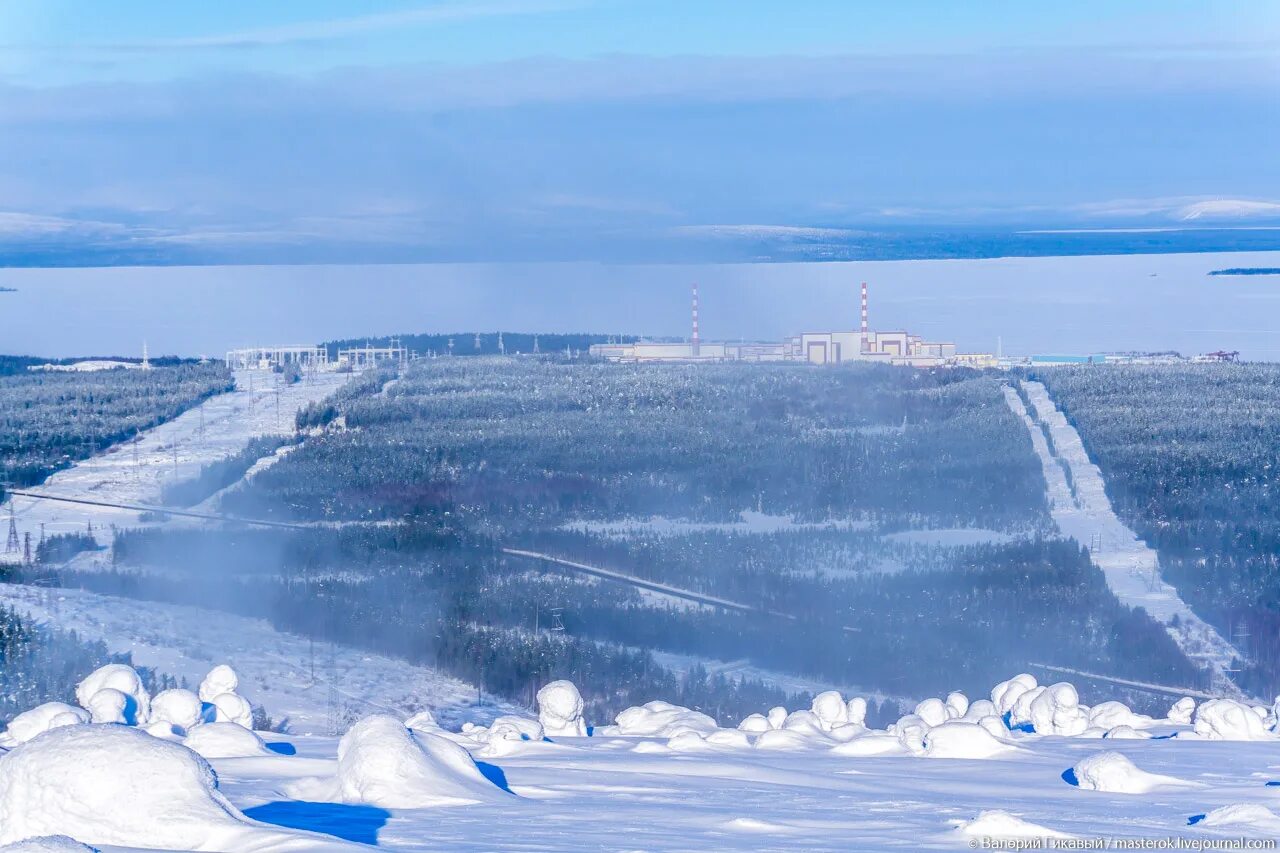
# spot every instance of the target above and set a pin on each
(1069, 776)
(283, 748)
(494, 774)
(1194, 819)
(351, 823)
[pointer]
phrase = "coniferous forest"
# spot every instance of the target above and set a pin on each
(891, 522)
(1191, 458)
(50, 419)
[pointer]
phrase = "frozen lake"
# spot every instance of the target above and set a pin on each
(1037, 305)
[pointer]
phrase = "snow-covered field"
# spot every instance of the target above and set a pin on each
(1131, 567)
(1025, 765)
(134, 472)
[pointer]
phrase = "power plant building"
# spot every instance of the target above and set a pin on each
(834, 347)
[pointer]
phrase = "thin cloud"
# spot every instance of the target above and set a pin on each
(336, 28)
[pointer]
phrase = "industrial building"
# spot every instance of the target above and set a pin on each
(824, 347)
(271, 357)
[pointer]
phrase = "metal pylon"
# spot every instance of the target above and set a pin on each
(14, 544)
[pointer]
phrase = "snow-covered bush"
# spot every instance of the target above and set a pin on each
(221, 679)
(1006, 693)
(180, 709)
(960, 739)
(1056, 711)
(1226, 719)
(118, 677)
(661, 719)
(560, 710)
(40, 719)
(232, 708)
(1182, 711)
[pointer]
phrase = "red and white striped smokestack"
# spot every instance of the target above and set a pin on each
(865, 327)
(694, 341)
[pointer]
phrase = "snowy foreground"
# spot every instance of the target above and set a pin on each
(180, 771)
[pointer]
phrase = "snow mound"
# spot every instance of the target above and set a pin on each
(874, 743)
(1126, 733)
(831, 710)
(221, 679)
(857, 711)
(39, 720)
(506, 736)
(1056, 711)
(1006, 693)
(382, 763)
(1226, 719)
(424, 720)
(934, 712)
(1113, 773)
(958, 739)
(111, 706)
(754, 724)
(48, 844)
(1249, 815)
(560, 710)
(1109, 715)
(117, 676)
(662, 719)
(178, 708)
(1182, 711)
(1004, 826)
(120, 786)
(225, 740)
(231, 708)
(783, 740)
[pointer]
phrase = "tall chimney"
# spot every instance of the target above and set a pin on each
(865, 327)
(694, 341)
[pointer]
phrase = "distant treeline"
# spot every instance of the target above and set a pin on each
(483, 343)
(1248, 271)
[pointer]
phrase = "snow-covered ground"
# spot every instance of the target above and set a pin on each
(951, 776)
(1131, 567)
(275, 667)
(134, 472)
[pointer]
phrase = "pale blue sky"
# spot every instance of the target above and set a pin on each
(297, 129)
(54, 41)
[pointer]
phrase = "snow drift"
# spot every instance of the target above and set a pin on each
(381, 762)
(1113, 773)
(117, 785)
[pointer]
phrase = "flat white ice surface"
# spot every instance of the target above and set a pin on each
(1131, 567)
(134, 473)
(274, 667)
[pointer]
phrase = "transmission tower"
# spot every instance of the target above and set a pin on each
(13, 544)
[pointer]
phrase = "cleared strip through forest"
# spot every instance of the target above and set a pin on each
(1081, 510)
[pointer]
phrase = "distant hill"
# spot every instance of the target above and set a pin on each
(1248, 271)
